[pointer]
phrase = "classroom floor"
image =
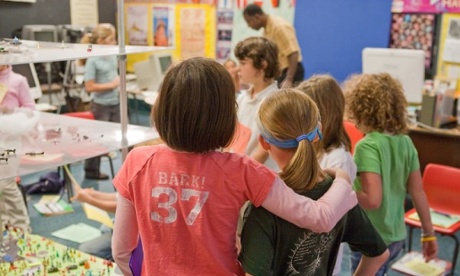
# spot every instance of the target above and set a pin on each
(44, 226)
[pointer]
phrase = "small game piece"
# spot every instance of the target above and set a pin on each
(72, 267)
(90, 48)
(53, 269)
(16, 41)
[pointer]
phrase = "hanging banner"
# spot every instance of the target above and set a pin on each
(426, 6)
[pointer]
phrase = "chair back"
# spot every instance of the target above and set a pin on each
(354, 133)
(81, 114)
(442, 187)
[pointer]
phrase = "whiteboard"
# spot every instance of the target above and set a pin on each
(406, 65)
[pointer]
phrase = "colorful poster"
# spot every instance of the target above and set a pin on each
(414, 31)
(137, 25)
(192, 29)
(224, 34)
(449, 45)
(163, 26)
(426, 6)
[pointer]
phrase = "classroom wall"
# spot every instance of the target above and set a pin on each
(13, 15)
(332, 33)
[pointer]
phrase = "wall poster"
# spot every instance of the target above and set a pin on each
(192, 28)
(163, 26)
(137, 24)
(224, 34)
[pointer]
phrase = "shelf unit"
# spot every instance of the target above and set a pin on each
(35, 52)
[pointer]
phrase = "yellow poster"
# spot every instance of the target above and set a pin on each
(191, 31)
(195, 31)
(449, 49)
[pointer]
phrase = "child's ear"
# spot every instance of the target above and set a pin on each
(264, 64)
(263, 143)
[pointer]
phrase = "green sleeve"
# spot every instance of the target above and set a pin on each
(367, 159)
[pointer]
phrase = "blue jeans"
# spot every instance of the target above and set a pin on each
(395, 248)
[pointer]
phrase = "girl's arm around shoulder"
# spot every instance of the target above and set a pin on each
(319, 216)
(124, 239)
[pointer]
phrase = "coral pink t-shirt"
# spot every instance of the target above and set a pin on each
(187, 207)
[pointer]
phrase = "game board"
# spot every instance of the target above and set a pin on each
(24, 254)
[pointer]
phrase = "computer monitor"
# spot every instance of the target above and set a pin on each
(47, 33)
(28, 71)
(407, 65)
(150, 73)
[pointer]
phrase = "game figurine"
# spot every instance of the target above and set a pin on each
(90, 48)
(16, 41)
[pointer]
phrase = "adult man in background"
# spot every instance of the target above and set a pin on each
(283, 34)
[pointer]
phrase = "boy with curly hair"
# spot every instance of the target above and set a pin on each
(387, 162)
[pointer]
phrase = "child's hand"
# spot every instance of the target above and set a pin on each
(116, 82)
(430, 250)
(83, 195)
(338, 173)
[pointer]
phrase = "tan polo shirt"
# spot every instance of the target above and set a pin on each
(283, 34)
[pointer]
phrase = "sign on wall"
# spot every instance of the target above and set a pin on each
(426, 6)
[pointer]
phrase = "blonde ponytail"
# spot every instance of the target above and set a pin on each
(289, 120)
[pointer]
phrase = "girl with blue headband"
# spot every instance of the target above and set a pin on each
(289, 125)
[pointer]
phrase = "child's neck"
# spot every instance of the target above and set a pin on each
(260, 85)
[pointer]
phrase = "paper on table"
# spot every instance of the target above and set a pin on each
(51, 208)
(423, 268)
(49, 198)
(439, 219)
(413, 263)
(97, 214)
(80, 233)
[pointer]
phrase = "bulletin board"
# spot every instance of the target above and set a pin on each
(189, 28)
(449, 47)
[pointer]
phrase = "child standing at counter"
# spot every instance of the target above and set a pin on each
(14, 93)
(102, 81)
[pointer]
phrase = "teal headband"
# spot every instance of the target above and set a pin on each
(289, 144)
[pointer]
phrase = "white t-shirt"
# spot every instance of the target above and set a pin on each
(247, 112)
(339, 158)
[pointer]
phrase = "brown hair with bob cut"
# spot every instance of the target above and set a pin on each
(285, 115)
(376, 102)
(260, 49)
(196, 109)
(329, 98)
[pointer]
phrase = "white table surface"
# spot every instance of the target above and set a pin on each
(64, 140)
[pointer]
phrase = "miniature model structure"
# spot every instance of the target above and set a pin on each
(26, 254)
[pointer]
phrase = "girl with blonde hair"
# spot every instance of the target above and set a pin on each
(289, 123)
(102, 81)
